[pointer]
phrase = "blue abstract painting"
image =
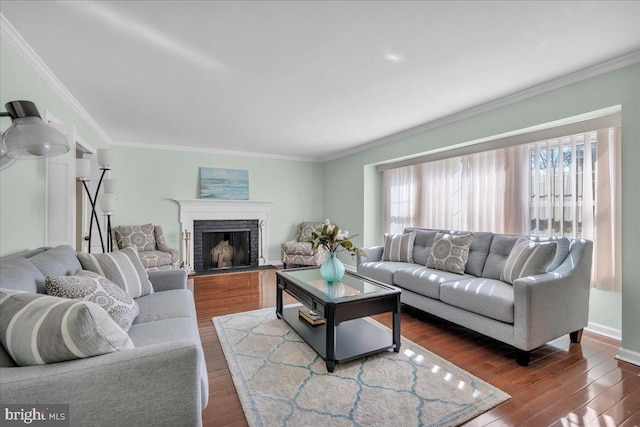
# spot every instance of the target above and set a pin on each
(224, 184)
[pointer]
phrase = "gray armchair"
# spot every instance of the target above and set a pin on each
(149, 241)
(300, 252)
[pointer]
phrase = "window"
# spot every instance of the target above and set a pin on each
(566, 186)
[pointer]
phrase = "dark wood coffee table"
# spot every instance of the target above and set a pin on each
(346, 335)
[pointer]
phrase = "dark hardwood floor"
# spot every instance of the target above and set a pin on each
(565, 384)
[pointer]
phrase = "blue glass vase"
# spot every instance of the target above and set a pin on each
(332, 269)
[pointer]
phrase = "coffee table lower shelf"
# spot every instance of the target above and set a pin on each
(355, 338)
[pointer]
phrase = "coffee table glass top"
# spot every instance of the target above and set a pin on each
(350, 285)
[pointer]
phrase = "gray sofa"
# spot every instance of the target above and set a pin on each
(161, 382)
(529, 313)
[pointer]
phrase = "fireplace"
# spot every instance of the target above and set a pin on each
(197, 210)
(227, 244)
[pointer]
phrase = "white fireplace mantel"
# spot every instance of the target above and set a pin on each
(204, 209)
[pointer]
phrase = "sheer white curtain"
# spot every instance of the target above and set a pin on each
(567, 186)
(465, 193)
(401, 198)
(573, 193)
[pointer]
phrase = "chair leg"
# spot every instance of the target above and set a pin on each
(523, 357)
(576, 336)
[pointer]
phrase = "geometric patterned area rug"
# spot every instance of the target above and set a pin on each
(283, 382)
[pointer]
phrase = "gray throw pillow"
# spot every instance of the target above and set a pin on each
(89, 286)
(398, 247)
(450, 252)
(123, 268)
(528, 258)
(37, 329)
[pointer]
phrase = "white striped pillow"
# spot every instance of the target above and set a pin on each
(37, 329)
(528, 258)
(398, 247)
(123, 268)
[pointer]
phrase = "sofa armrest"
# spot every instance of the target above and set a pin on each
(550, 305)
(373, 254)
(165, 280)
(152, 385)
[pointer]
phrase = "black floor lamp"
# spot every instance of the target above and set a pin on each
(107, 199)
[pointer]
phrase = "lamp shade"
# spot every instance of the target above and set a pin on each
(110, 185)
(83, 169)
(104, 157)
(107, 203)
(28, 136)
(5, 161)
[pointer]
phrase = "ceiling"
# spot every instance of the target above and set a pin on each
(308, 79)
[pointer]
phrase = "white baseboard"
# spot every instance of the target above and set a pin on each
(628, 356)
(607, 331)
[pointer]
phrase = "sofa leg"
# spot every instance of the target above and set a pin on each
(576, 336)
(523, 357)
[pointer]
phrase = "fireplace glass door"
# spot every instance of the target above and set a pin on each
(226, 249)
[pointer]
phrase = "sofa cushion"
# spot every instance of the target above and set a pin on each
(139, 237)
(165, 330)
(528, 258)
(487, 297)
(165, 305)
(20, 274)
(58, 261)
(123, 268)
(89, 286)
(398, 247)
(423, 280)
(500, 248)
(381, 271)
(38, 329)
(478, 252)
(564, 244)
(422, 245)
(450, 252)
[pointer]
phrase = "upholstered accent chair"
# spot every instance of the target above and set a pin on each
(299, 252)
(148, 240)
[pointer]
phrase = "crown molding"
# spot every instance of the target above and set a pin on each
(548, 86)
(191, 149)
(15, 40)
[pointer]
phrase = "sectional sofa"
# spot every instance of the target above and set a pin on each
(527, 313)
(154, 374)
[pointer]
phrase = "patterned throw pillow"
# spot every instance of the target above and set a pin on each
(37, 329)
(528, 258)
(89, 286)
(123, 268)
(139, 237)
(398, 247)
(450, 252)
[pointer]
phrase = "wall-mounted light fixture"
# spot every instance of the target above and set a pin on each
(28, 136)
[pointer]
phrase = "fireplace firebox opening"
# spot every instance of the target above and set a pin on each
(226, 249)
(225, 244)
